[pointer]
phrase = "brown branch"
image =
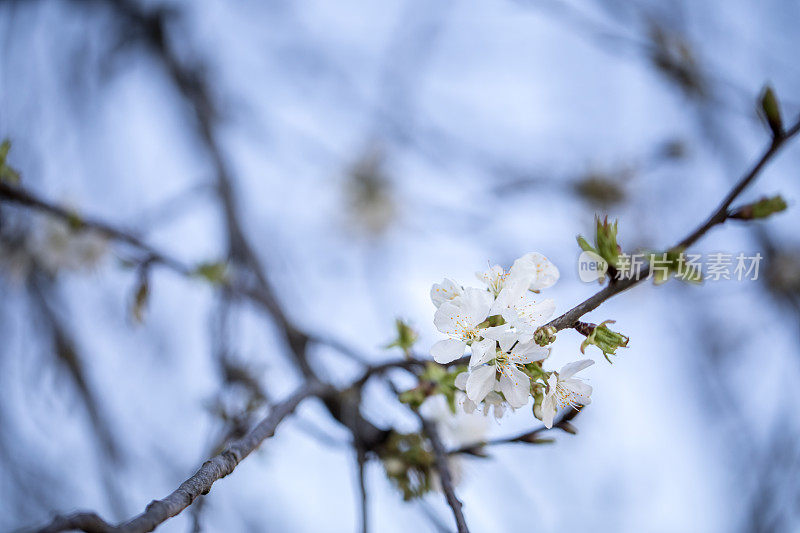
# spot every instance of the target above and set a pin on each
(20, 196)
(440, 456)
(529, 437)
(88, 522)
(361, 459)
(261, 294)
(219, 466)
(719, 216)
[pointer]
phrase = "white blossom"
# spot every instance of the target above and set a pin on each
(537, 269)
(520, 309)
(59, 247)
(494, 278)
(564, 390)
(533, 270)
(492, 400)
(504, 363)
(498, 324)
(456, 429)
(459, 319)
(445, 291)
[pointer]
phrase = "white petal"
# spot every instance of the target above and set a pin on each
(469, 406)
(482, 352)
(525, 338)
(447, 319)
(444, 291)
(548, 410)
(480, 382)
(475, 304)
(529, 352)
(461, 380)
(570, 369)
(507, 340)
(491, 277)
(448, 350)
(533, 313)
(516, 388)
(540, 272)
(435, 408)
(523, 268)
(579, 388)
(513, 291)
(494, 398)
(494, 332)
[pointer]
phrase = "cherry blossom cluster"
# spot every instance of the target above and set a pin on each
(498, 324)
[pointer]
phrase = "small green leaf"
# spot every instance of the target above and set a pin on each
(763, 208)
(215, 272)
(585, 246)
(75, 221)
(406, 337)
(5, 146)
(7, 174)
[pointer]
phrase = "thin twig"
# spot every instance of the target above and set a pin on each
(261, 294)
(529, 437)
(361, 458)
(20, 196)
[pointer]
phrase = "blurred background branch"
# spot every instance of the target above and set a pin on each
(307, 172)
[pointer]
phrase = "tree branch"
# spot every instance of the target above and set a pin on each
(20, 196)
(219, 466)
(440, 456)
(719, 216)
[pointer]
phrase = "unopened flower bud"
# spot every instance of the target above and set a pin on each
(771, 111)
(215, 272)
(605, 243)
(538, 397)
(545, 335)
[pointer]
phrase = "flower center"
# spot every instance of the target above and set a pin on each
(494, 279)
(566, 397)
(463, 329)
(505, 362)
